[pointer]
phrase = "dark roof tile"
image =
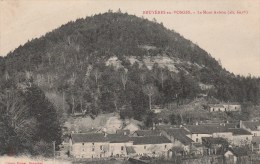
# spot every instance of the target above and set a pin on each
(150, 140)
(88, 137)
(180, 135)
(238, 151)
(239, 131)
(147, 133)
(252, 125)
(205, 129)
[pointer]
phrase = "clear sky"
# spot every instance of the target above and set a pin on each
(234, 39)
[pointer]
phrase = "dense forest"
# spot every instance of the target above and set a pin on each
(28, 121)
(71, 61)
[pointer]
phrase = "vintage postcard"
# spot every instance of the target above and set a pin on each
(129, 82)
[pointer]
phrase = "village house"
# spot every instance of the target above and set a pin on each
(224, 107)
(235, 136)
(236, 155)
(216, 108)
(251, 126)
(153, 146)
(89, 145)
(199, 131)
(240, 136)
(99, 145)
(232, 106)
(118, 144)
(178, 137)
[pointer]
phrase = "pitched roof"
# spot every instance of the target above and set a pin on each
(180, 135)
(216, 105)
(117, 138)
(147, 133)
(239, 131)
(150, 140)
(238, 151)
(161, 127)
(205, 129)
(228, 125)
(88, 137)
(252, 125)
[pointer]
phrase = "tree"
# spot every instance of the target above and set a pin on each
(150, 119)
(149, 90)
(142, 77)
(162, 77)
(123, 77)
(96, 74)
(44, 112)
(49, 58)
(18, 128)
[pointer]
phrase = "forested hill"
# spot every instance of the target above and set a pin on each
(114, 61)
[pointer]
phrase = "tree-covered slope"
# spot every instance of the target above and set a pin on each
(73, 61)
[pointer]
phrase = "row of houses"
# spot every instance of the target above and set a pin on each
(164, 140)
(224, 107)
(102, 145)
(220, 107)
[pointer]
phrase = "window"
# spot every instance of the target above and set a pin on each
(93, 143)
(101, 147)
(93, 149)
(83, 149)
(218, 109)
(235, 107)
(197, 140)
(82, 143)
(165, 146)
(144, 147)
(213, 109)
(122, 147)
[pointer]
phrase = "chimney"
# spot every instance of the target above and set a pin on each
(105, 132)
(240, 123)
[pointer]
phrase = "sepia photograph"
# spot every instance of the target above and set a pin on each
(129, 82)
